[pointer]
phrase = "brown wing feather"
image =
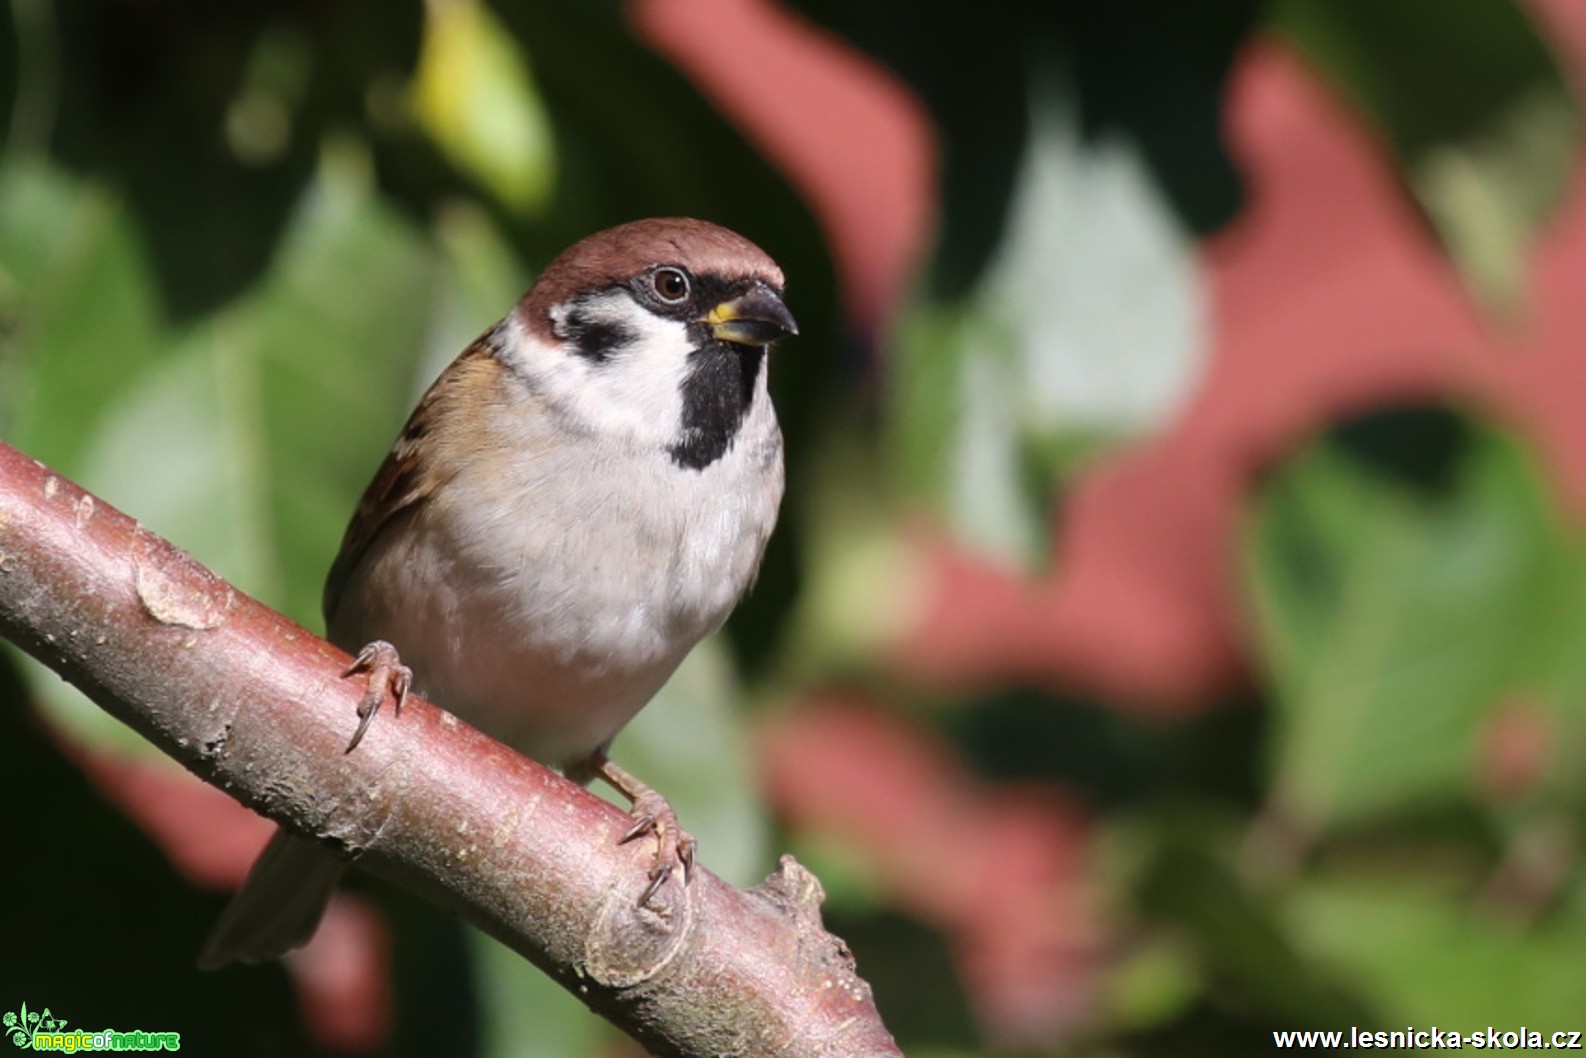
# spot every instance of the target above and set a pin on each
(404, 481)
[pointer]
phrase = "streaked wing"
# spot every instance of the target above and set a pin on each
(404, 482)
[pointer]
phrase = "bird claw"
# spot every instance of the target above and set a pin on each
(653, 814)
(386, 673)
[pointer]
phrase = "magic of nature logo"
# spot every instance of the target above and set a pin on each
(42, 1030)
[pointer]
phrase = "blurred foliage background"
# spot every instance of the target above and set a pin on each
(1171, 635)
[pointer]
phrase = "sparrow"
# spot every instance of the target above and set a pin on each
(580, 497)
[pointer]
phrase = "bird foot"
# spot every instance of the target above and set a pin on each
(386, 674)
(652, 814)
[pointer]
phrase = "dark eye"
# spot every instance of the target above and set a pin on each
(671, 284)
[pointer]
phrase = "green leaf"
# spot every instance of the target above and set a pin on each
(956, 446)
(210, 217)
(249, 443)
(1151, 985)
(249, 440)
(864, 587)
(1431, 955)
(474, 95)
(78, 315)
(1086, 326)
(525, 1014)
(1475, 107)
(1391, 621)
(1189, 882)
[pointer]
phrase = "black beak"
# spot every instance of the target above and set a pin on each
(756, 318)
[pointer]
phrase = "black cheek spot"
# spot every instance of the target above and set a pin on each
(597, 339)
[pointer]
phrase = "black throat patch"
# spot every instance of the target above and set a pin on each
(717, 392)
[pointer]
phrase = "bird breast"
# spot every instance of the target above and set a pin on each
(550, 588)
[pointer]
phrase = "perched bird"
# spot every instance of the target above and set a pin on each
(580, 497)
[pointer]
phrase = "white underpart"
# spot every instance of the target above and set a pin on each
(572, 564)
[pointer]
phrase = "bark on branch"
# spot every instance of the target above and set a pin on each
(253, 703)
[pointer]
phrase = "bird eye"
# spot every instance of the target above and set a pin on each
(671, 284)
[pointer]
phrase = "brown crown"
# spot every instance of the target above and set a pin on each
(614, 256)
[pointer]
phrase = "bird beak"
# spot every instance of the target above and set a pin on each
(756, 318)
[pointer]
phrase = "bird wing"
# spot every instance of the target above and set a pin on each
(404, 481)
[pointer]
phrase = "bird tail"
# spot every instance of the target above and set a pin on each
(278, 907)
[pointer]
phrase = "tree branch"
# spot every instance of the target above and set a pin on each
(253, 703)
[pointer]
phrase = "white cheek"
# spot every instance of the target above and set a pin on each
(635, 394)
